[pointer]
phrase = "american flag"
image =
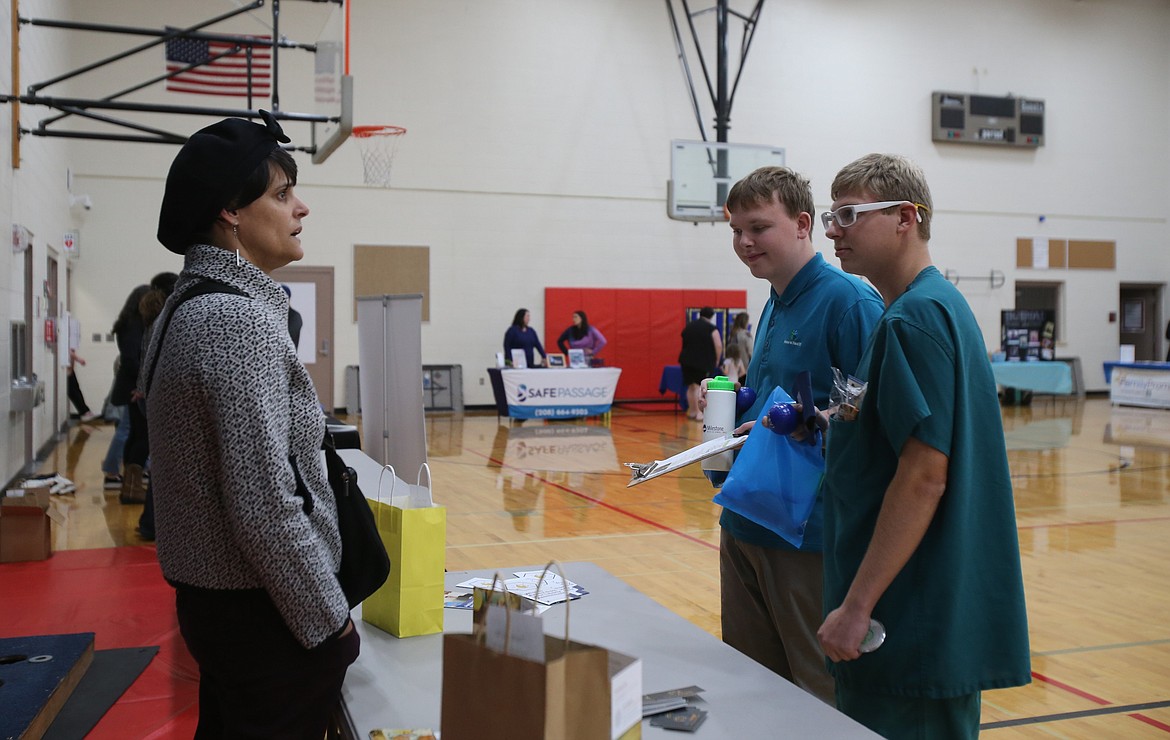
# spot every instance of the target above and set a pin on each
(228, 75)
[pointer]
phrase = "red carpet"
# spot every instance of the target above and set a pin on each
(118, 594)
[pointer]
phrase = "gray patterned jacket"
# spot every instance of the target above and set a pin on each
(229, 404)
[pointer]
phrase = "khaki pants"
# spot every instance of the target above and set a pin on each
(772, 608)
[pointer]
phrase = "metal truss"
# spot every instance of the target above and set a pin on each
(114, 109)
(721, 96)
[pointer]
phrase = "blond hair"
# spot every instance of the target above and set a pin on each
(887, 177)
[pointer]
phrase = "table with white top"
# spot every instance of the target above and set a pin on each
(398, 682)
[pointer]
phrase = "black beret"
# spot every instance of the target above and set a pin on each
(208, 171)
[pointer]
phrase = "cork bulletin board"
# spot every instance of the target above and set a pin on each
(1071, 254)
(392, 270)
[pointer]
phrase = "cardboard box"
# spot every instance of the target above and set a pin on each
(24, 525)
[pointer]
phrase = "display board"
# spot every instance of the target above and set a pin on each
(1027, 335)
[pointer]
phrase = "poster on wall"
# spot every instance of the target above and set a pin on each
(1028, 335)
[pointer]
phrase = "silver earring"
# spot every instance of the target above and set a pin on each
(236, 234)
(237, 258)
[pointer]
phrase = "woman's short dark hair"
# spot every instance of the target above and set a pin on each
(518, 319)
(256, 184)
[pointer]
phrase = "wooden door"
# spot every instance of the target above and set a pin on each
(311, 294)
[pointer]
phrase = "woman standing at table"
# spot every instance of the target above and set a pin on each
(521, 336)
(580, 335)
(246, 522)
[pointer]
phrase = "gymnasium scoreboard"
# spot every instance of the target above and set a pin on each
(966, 118)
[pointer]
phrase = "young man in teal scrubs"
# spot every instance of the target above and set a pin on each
(920, 528)
(816, 318)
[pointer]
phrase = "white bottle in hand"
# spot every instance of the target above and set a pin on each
(719, 419)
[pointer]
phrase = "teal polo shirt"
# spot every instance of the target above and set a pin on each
(821, 321)
(954, 616)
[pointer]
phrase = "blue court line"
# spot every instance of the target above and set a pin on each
(1120, 709)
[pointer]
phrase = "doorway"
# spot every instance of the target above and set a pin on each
(311, 295)
(1141, 320)
(1043, 296)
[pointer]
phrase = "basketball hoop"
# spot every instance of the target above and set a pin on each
(378, 144)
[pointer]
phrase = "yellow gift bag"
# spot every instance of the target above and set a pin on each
(414, 531)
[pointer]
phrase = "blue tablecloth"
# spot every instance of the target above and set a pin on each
(1038, 377)
(672, 381)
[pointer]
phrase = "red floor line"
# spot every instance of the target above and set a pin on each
(599, 502)
(1151, 722)
(1095, 523)
(1070, 689)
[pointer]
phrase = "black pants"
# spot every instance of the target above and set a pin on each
(138, 443)
(73, 390)
(255, 679)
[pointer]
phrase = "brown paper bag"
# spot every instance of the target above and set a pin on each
(489, 695)
(579, 692)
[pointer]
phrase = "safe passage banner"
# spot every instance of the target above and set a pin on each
(540, 393)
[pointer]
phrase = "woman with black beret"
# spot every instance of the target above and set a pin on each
(245, 519)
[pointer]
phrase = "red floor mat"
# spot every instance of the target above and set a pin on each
(118, 594)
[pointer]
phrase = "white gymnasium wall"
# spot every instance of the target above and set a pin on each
(35, 196)
(537, 151)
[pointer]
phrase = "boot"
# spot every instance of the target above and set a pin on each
(133, 490)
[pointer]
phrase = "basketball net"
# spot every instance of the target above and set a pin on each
(377, 144)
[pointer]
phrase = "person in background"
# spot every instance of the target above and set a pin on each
(246, 519)
(701, 349)
(733, 366)
(151, 305)
(817, 318)
(73, 389)
(295, 321)
(135, 479)
(920, 526)
(741, 336)
(128, 329)
(522, 336)
(581, 335)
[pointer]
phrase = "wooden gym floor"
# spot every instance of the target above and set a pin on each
(1092, 486)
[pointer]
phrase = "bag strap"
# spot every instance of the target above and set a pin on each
(203, 287)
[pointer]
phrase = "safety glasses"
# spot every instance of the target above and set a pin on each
(846, 216)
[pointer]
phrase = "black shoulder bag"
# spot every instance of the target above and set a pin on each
(364, 562)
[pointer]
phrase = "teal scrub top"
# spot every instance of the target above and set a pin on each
(954, 616)
(821, 321)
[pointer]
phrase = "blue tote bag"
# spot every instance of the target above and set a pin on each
(774, 480)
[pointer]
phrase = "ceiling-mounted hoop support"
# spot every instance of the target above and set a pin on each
(85, 107)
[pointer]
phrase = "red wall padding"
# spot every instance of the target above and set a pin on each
(641, 325)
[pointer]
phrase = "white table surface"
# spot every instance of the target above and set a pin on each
(397, 682)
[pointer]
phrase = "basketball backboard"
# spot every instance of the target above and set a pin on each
(332, 84)
(701, 173)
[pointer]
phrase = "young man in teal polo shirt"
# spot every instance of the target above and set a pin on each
(920, 530)
(816, 318)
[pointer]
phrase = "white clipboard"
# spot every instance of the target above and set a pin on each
(648, 471)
